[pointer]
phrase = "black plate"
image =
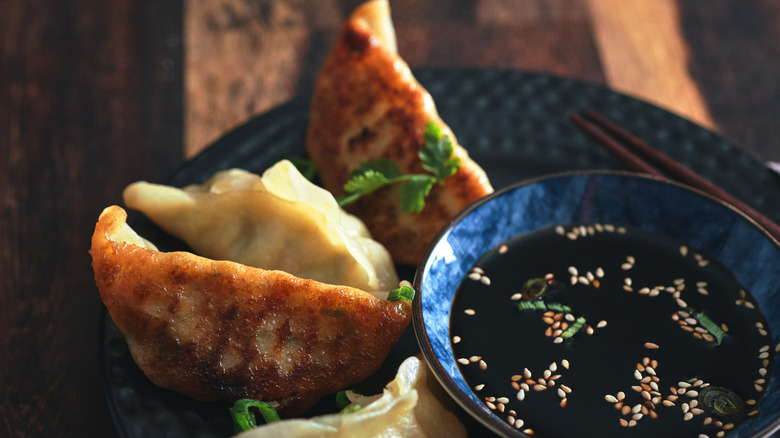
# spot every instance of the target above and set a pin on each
(515, 124)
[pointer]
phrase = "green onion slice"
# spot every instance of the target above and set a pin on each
(244, 417)
(402, 293)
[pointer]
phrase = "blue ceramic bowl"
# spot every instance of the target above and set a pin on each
(607, 197)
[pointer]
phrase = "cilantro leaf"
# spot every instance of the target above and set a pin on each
(436, 156)
(414, 191)
(381, 165)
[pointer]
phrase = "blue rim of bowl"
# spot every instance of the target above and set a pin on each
(479, 410)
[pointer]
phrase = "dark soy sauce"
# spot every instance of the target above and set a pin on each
(642, 355)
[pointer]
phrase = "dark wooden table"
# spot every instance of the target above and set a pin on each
(98, 94)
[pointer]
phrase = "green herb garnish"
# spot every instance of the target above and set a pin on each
(436, 157)
(534, 289)
(574, 328)
(541, 305)
(711, 327)
(721, 401)
(351, 409)
(244, 417)
(402, 293)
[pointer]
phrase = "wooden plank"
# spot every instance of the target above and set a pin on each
(88, 104)
(645, 54)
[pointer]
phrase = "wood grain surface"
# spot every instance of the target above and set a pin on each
(97, 94)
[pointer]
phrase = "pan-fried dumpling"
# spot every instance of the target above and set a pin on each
(407, 408)
(280, 221)
(219, 330)
(366, 105)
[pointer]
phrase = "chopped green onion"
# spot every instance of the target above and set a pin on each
(711, 327)
(534, 289)
(342, 400)
(402, 293)
(574, 328)
(350, 409)
(721, 401)
(541, 305)
(244, 418)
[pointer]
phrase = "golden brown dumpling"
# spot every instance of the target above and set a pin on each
(219, 330)
(366, 105)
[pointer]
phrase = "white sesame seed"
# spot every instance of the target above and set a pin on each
(573, 271)
(516, 296)
(687, 416)
(463, 361)
(479, 387)
(626, 266)
(558, 340)
(527, 373)
(475, 276)
(456, 339)
(503, 249)
(601, 324)
(599, 272)
(684, 250)
(565, 363)
(470, 312)
(485, 280)
(610, 398)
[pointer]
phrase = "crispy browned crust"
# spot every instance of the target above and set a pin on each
(366, 105)
(218, 330)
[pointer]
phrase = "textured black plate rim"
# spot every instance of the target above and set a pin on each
(300, 105)
(421, 333)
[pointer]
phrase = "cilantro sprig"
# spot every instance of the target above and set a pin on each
(436, 157)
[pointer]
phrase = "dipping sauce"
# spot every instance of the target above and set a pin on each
(634, 335)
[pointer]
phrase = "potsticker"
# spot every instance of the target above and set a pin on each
(367, 105)
(220, 330)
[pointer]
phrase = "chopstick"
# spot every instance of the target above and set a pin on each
(639, 156)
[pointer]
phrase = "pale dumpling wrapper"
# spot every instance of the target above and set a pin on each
(406, 408)
(280, 221)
